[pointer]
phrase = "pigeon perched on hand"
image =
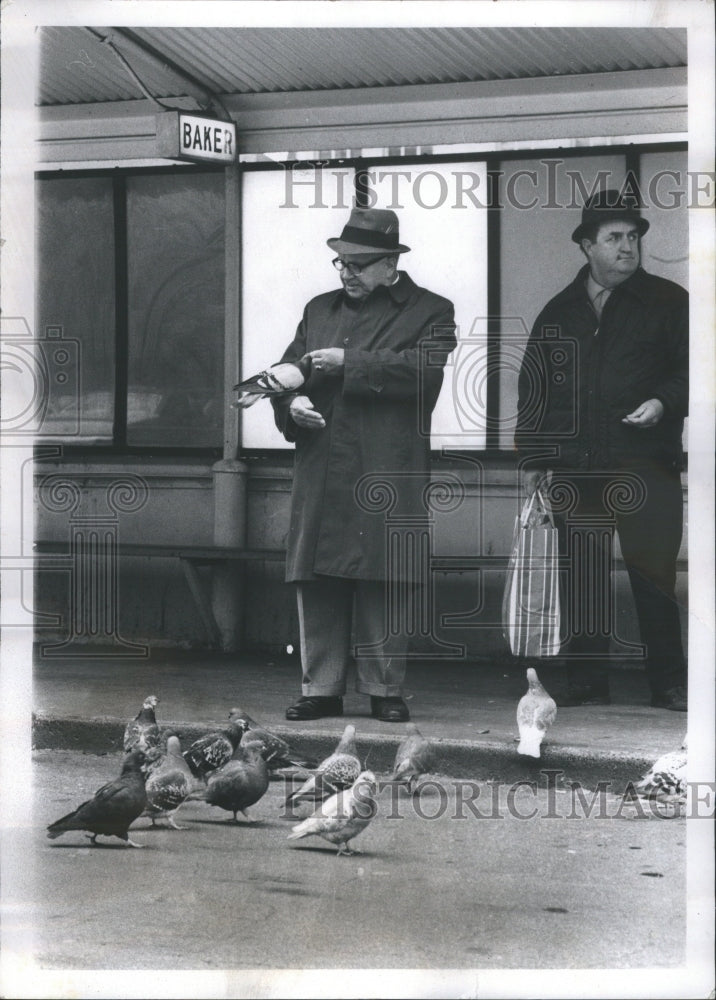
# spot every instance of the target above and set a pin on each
(142, 733)
(210, 752)
(113, 809)
(536, 712)
(277, 380)
(665, 781)
(276, 751)
(342, 816)
(337, 771)
(415, 756)
(241, 782)
(169, 784)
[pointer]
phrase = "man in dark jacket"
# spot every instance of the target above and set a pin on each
(361, 426)
(603, 392)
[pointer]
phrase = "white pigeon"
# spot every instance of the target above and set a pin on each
(277, 380)
(338, 771)
(536, 712)
(414, 757)
(342, 816)
(665, 781)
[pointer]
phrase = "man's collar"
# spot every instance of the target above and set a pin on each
(398, 291)
(594, 287)
(636, 284)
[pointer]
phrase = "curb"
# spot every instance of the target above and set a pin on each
(559, 765)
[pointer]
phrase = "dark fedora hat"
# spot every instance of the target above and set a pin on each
(369, 230)
(605, 206)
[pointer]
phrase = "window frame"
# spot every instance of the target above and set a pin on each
(119, 445)
(360, 163)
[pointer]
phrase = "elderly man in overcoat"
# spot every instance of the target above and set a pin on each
(603, 396)
(377, 348)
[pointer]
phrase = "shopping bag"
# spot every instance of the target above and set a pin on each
(531, 606)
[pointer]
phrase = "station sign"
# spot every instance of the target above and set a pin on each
(185, 136)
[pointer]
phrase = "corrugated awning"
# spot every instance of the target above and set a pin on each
(77, 68)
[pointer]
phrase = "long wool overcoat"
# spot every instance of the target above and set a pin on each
(371, 462)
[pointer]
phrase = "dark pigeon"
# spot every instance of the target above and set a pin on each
(240, 783)
(113, 809)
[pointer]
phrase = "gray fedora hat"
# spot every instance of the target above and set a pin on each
(605, 206)
(369, 230)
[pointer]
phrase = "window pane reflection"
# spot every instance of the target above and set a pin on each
(175, 231)
(75, 305)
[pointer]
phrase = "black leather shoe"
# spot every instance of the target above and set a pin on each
(674, 699)
(389, 709)
(314, 708)
(584, 694)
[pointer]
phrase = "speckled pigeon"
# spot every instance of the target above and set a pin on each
(278, 380)
(169, 784)
(277, 753)
(665, 781)
(113, 809)
(339, 770)
(415, 756)
(536, 712)
(241, 782)
(342, 816)
(210, 752)
(142, 733)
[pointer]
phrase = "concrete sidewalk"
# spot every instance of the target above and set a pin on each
(469, 708)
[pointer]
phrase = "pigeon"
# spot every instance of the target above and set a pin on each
(113, 809)
(210, 752)
(338, 771)
(278, 380)
(536, 712)
(342, 816)
(414, 757)
(142, 733)
(665, 781)
(169, 784)
(241, 782)
(276, 751)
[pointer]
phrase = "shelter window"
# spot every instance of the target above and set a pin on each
(131, 279)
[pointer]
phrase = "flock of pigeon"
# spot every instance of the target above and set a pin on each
(231, 769)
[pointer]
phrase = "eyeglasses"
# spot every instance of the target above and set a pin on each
(354, 269)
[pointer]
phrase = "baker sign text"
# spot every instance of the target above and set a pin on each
(206, 139)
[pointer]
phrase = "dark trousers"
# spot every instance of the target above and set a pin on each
(339, 619)
(644, 506)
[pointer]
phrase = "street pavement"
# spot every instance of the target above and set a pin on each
(466, 875)
(496, 867)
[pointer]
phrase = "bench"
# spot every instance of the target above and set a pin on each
(192, 556)
(189, 556)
